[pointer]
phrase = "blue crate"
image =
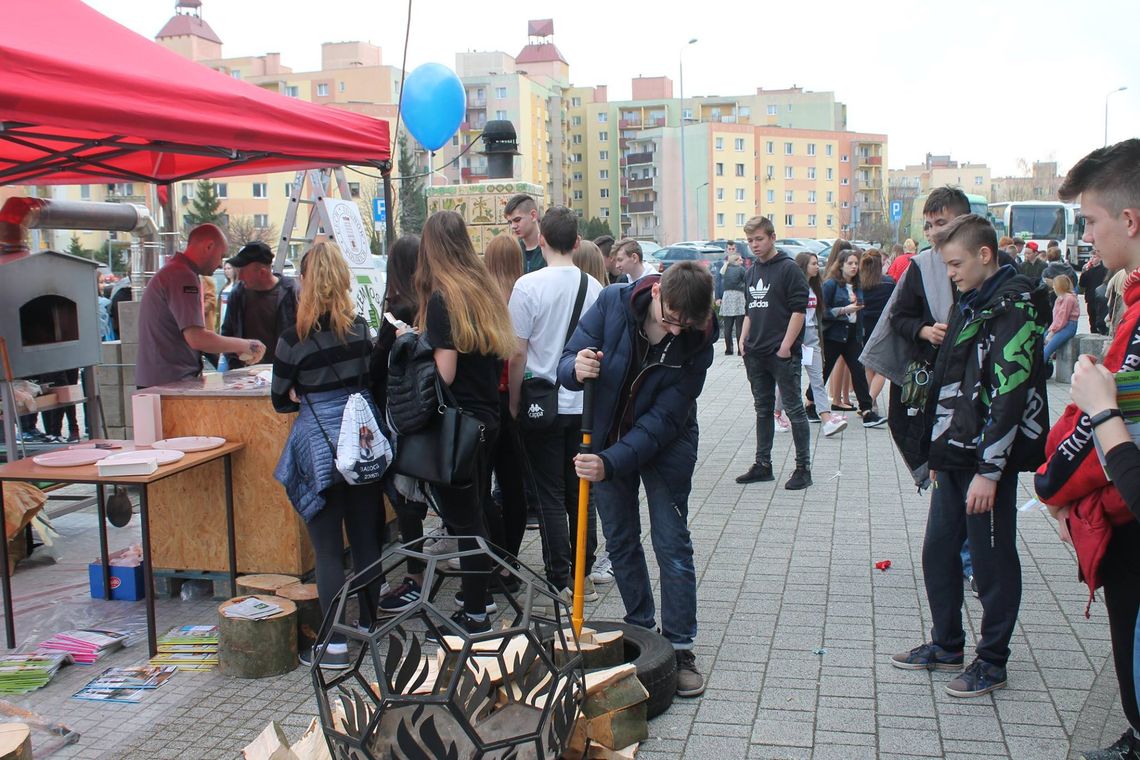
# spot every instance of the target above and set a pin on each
(126, 582)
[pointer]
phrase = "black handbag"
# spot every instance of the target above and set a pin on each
(442, 452)
(538, 397)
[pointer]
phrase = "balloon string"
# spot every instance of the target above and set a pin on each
(437, 170)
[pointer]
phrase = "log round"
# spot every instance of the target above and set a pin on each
(15, 741)
(267, 583)
(309, 617)
(258, 648)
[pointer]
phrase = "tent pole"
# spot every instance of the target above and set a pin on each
(389, 220)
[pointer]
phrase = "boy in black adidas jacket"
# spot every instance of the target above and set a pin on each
(990, 413)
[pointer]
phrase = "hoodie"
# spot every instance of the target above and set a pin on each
(775, 290)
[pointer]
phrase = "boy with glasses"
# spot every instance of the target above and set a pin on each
(647, 347)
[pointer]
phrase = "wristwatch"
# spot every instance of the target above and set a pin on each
(1104, 416)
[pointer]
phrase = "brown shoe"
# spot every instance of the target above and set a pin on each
(690, 683)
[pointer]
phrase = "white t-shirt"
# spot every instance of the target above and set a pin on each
(541, 305)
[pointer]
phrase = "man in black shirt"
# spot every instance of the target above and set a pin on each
(522, 214)
(262, 305)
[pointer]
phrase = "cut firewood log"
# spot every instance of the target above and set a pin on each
(312, 744)
(600, 679)
(598, 752)
(576, 743)
(270, 744)
(258, 648)
(619, 728)
(265, 583)
(598, 650)
(617, 696)
(309, 617)
(15, 741)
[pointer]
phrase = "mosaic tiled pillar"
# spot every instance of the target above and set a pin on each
(482, 205)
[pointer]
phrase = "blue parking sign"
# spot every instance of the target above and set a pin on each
(896, 212)
(379, 210)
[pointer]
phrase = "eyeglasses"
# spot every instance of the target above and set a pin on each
(673, 322)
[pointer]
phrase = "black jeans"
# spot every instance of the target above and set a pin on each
(551, 456)
(510, 473)
(471, 512)
(765, 374)
(1121, 576)
(997, 569)
(849, 350)
(731, 323)
(410, 517)
(359, 512)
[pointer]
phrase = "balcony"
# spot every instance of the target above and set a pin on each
(641, 184)
(659, 122)
(870, 160)
(639, 158)
(641, 207)
(624, 201)
(629, 123)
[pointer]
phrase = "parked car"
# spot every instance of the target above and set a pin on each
(648, 247)
(670, 255)
(815, 246)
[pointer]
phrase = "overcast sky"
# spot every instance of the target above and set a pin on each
(990, 82)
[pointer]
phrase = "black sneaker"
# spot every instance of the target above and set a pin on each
(509, 584)
(1127, 747)
(872, 420)
(800, 480)
(979, 677)
(812, 414)
(928, 656)
(464, 621)
(400, 598)
(757, 473)
(690, 682)
(491, 606)
(328, 661)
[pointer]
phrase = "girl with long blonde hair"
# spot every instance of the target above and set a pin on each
(588, 257)
(319, 362)
(464, 317)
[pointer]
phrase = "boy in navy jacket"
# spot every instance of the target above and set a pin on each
(647, 346)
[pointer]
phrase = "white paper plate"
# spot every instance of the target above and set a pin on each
(70, 457)
(161, 456)
(104, 446)
(190, 443)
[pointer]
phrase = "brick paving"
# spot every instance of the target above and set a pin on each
(782, 575)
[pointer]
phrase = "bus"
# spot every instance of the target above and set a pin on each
(978, 205)
(1042, 221)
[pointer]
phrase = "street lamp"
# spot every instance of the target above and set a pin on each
(1120, 89)
(684, 190)
(697, 206)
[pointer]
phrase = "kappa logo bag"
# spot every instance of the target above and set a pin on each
(538, 399)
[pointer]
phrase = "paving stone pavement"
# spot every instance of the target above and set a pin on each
(781, 576)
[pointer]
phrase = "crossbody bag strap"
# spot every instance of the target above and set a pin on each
(574, 316)
(360, 383)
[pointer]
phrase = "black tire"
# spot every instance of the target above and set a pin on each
(652, 655)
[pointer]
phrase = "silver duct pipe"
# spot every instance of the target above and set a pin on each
(18, 215)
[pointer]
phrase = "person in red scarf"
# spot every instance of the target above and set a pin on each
(1089, 492)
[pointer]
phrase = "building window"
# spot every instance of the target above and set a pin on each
(845, 204)
(577, 176)
(260, 190)
(978, 181)
(773, 110)
(221, 188)
(830, 174)
(354, 189)
(770, 147)
(811, 149)
(719, 169)
(789, 196)
(738, 144)
(604, 192)
(745, 112)
(740, 170)
(771, 196)
(322, 90)
(740, 220)
(687, 114)
(501, 93)
(843, 159)
(811, 220)
(261, 221)
(845, 182)
(501, 115)
(577, 158)
(789, 172)
(604, 174)
(576, 121)
(830, 197)
(828, 150)
(720, 220)
(604, 136)
(605, 212)
(603, 117)
(789, 220)
(811, 172)
(720, 193)
(575, 102)
(577, 195)
(340, 86)
(576, 139)
(811, 196)
(787, 149)
(740, 193)
(771, 173)
(288, 189)
(235, 74)
(85, 191)
(292, 91)
(830, 220)
(603, 155)
(719, 142)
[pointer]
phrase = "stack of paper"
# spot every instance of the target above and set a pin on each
(86, 645)
(191, 647)
(252, 608)
(21, 673)
(125, 684)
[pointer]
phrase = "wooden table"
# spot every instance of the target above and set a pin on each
(28, 471)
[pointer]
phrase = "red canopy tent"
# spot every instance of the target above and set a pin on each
(83, 98)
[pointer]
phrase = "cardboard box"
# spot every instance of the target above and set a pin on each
(126, 582)
(67, 393)
(46, 400)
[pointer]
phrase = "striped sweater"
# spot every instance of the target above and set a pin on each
(319, 363)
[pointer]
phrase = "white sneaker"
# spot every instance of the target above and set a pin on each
(603, 571)
(455, 563)
(438, 542)
(834, 425)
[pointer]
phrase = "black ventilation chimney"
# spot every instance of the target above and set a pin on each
(501, 145)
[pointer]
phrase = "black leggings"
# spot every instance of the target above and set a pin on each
(472, 512)
(729, 323)
(1121, 577)
(849, 350)
(359, 512)
(510, 472)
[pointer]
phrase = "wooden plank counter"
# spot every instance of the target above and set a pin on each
(188, 525)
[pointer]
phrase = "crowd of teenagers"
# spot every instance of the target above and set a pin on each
(962, 331)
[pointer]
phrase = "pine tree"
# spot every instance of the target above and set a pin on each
(205, 206)
(595, 228)
(75, 248)
(413, 204)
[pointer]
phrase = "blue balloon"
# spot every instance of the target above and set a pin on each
(434, 104)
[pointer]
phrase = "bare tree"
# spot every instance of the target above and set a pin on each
(242, 229)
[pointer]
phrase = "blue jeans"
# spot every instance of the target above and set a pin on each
(1059, 338)
(668, 481)
(967, 563)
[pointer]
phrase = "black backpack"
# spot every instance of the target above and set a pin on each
(413, 390)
